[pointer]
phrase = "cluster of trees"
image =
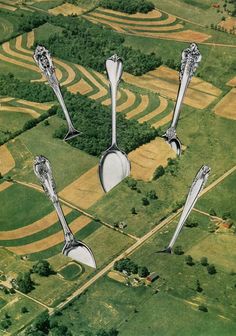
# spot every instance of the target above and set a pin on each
(128, 6)
(42, 268)
(12, 86)
(131, 267)
(44, 325)
(27, 22)
(94, 121)
(85, 43)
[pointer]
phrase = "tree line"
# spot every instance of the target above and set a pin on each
(94, 121)
(128, 6)
(89, 44)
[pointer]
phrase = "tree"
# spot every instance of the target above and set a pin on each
(46, 122)
(178, 250)
(42, 323)
(211, 269)
(189, 260)
(191, 223)
(133, 211)
(5, 324)
(42, 267)
(132, 184)
(204, 261)
(24, 310)
(160, 171)
(145, 201)
(143, 272)
(212, 212)
(24, 282)
(198, 287)
(152, 194)
(61, 330)
(203, 308)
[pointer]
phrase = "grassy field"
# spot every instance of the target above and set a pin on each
(194, 133)
(223, 204)
(173, 297)
(71, 271)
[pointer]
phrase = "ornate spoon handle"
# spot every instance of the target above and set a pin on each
(189, 63)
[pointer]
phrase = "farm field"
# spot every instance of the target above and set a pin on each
(138, 217)
(169, 292)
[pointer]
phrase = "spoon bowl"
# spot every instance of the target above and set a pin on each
(176, 145)
(79, 251)
(114, 166)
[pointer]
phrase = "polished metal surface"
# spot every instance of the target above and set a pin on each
(114, 165)
(73, 248)
(189, 63)
(43, 59)
(196, 187)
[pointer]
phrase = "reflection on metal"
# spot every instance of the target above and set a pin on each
(196, 187)
(43, 59)
(114, 165)
(189, 63)
(73, 248)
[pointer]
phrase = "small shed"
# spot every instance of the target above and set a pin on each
(216, 5)
(152, 277)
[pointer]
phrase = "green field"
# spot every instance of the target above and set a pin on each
(71, 271)
(131, 311)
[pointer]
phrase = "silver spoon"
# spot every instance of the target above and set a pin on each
(189, 63)
(43, 59)
(73, 248)
(114, 165)
(196, 187)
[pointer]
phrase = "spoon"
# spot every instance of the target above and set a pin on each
(73, 248)
(196, 187)
(114, 165)
(43, 59)
(189, 63)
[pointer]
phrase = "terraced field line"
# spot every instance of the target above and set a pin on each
(50, 241)
(40, 106)
(163, 105)
(5, 6)
(81, 86)
(39, 225)
(140, 108)
(115, 19)
(7, 48)
(3, 186)
(112, 25)
(17, 109)
(30, 39)
(148, 30)
(154, 14)
(163, 121)
(21, 49)
(7, 161)
(128, 103)
(71, 74)
(102, 91)
(6, 99)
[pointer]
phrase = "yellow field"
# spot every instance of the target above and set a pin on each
(155, 14)
(66, 9)
(145, 159)
(7, 162)
(141, 107)
(227, 106)
(84, 191)
(163, 105)
(50, 241)
(117, 276)
(4, 186)
(229, 23)
(39, 225)
(81, 86)
(165, 82)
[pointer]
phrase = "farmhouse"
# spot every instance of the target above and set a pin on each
(152, 277)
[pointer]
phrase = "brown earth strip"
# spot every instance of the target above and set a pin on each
(140, 108)
(155, 14)
(11, 8)
(50, 241)
(41, 224)
(30, 39)
(98, 15)
(146, 158)
(40, 106)
(184, 36)
(7, 162)
(84, 191)
(66, 9)
(227, 106)
(18, 109)
(4, 186)
(81, 86)
(128, 103)
(163, 105)
(163, 121)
